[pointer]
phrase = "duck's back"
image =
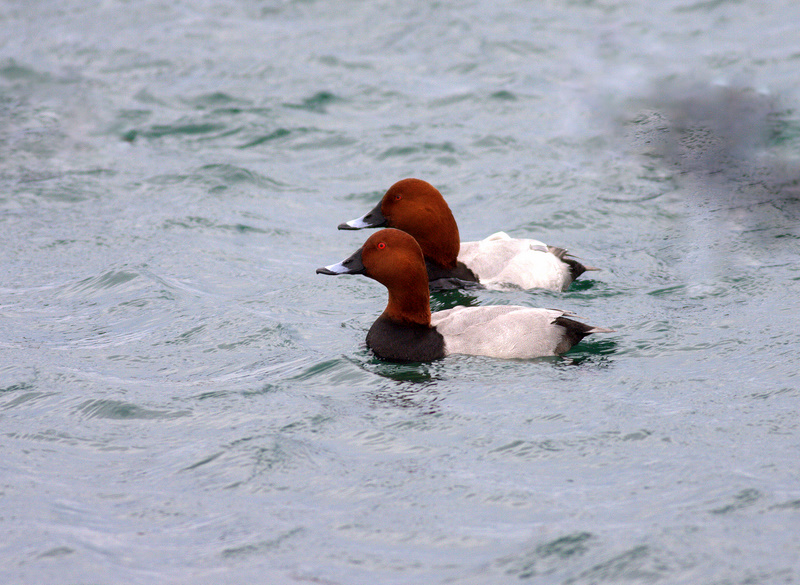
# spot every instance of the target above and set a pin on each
(503, 331)
(500, 261)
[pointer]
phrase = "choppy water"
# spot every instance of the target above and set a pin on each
(182, 400)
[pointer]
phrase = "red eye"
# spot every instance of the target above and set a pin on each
(398, 197)
(381, 245)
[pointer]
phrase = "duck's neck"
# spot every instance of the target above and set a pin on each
(441, 242)
(409, 305)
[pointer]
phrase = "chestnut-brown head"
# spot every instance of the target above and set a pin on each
(393, 258)
(417, 208)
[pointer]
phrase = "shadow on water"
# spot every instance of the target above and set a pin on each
(423, 375)
(406, 386)
(415, 373)
(583, 284)
(447, 299)
(590, 353)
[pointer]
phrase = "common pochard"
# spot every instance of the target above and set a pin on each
(416, 207)
(407, 331)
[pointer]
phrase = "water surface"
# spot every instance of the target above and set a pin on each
(182, 399)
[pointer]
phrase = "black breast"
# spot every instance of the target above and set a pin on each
(398, 342)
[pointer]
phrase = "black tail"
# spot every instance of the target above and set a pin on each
(575, 331)
(575, 267)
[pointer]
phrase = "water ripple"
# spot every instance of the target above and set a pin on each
(119, 410)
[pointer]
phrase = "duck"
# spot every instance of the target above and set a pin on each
(407, 330)
(496, 262)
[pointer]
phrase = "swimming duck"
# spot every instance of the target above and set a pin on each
(407, 331)
(499, 261)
